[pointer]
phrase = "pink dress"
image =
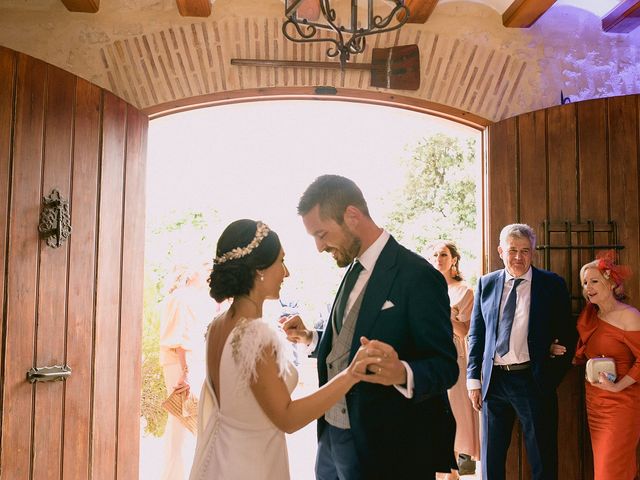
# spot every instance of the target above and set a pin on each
(467, 419)
(614, 421)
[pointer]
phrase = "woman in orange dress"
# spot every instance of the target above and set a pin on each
(608, 327)
(446, 259)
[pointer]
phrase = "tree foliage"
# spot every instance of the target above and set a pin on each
(438, 199)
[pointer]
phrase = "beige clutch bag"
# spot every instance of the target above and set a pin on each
(596, 365)
(184, 408)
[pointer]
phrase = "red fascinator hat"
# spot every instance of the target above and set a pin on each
(617, 274)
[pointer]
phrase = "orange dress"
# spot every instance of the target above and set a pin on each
(614, 418)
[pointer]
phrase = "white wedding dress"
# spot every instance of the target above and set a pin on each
(238, 441)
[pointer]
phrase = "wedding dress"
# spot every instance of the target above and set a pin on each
(236, 440)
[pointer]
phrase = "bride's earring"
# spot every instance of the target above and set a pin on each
(261, 276)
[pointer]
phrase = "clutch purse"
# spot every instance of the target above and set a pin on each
(184, 408)
(596, 365)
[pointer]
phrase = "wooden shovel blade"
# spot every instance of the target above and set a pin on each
(396, 67)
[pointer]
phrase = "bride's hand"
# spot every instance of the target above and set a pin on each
(362, 362)
(295, 329)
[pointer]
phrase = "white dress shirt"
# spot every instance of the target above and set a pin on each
(518, 346)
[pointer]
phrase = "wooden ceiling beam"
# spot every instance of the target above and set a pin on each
(524, 13)
(624, 18)
(84, 6)
(194, 8)
(419, 10)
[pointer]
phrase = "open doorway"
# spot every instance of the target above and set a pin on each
(420, 174)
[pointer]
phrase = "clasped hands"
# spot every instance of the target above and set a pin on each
(374, 362)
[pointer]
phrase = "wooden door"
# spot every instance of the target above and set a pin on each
(573, 164)
(79, 304)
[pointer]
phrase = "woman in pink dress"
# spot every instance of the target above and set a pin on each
(446, 258)
(608, 327)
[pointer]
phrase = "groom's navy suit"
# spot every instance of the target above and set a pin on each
(530, 393)
(397, 437)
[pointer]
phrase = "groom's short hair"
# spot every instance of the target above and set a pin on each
(333, 194)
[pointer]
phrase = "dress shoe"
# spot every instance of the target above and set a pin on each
(466, 465)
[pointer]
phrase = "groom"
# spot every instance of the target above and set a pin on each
(397, 424)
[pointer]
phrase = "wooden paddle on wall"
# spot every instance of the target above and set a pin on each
(395, 67)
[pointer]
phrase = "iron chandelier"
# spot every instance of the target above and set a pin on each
(348, 38)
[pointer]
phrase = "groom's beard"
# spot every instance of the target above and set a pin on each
(345, 255)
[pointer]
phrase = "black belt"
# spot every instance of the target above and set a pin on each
(514, 367)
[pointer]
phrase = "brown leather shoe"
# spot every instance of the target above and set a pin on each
(466, 465)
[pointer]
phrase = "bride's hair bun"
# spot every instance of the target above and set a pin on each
(236, 276)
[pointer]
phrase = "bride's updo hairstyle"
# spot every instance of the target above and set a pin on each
(244, 247)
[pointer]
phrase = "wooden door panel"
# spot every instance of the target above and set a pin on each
(533, 172)
(7, 84)
(65, 305)
(106, 366)
(624, 177)
(52, 279)
(130, 379)
(22, 268)
(81, 291)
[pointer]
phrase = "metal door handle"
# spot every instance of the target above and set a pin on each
(55, 373)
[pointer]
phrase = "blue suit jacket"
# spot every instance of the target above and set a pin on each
(396, 437)
(549, 319)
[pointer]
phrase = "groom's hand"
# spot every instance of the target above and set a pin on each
(295, 329)
(388, 370)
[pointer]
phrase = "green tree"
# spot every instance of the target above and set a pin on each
(438, 199)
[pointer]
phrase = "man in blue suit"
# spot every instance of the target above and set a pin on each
(398, 423)
(521, 320)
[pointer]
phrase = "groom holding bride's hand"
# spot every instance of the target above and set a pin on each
(397, 423)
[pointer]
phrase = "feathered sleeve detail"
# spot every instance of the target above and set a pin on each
(252, 339)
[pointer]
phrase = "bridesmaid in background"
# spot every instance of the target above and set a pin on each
(446, 259)
(609, 327)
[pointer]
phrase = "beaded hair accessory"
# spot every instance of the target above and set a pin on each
(608, 268)
(262, 230)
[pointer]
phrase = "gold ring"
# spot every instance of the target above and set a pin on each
(379, 369)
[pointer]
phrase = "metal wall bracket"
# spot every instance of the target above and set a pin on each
(55, 221)
(55, 373)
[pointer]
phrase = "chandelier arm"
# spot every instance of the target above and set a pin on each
(307, 31)
(307, 34)
(379, 22)
(332, 51)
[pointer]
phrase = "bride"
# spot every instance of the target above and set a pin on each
(245, 404)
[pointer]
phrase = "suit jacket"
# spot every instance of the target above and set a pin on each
(549, 319)
(396, 437)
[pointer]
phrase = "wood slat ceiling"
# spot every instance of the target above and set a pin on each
(524, 13)
(622, 19)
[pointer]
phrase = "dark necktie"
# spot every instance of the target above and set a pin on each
(506, 322)
(343, 295)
